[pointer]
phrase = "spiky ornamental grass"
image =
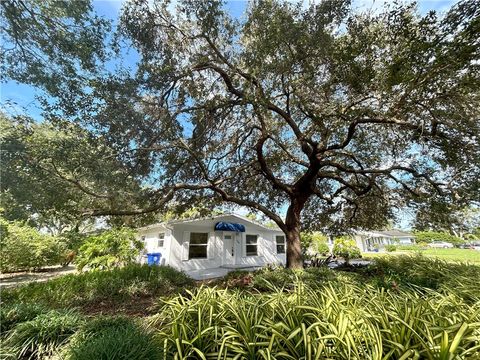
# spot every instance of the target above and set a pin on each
(335, 321)
(45, 335)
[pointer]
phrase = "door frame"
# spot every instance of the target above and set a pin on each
(233, 258)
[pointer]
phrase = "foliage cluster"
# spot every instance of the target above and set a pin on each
(69, 335)
(429, 236)
(407, 306)
(334, 321)
(390, 247)
(457, 278)
(86, 289)
(346, 248)
(117, 338)
(313, 241)
(23, 247)
(109, 249)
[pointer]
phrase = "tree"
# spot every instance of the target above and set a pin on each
(441, 216)
(46, 42)
(25, 248)
(51, 172)
(429, 236)
(346, 248)
(338, 117)
(109, 249)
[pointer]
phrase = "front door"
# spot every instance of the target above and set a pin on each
(229, 248)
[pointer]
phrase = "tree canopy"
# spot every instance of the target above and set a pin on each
(339, 117)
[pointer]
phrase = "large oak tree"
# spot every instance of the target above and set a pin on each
(339, 117)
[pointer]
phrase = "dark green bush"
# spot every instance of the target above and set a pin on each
(44, 335)
(113, 338)
(96, 286)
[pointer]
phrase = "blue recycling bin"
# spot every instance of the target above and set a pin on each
(153, 258)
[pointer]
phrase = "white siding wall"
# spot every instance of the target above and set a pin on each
(176, 246)
(151, 243)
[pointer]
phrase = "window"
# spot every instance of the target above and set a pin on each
(280, 244)
(161, 239)
(251, 242)
(198, 246)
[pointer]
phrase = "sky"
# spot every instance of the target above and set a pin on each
(17, 98)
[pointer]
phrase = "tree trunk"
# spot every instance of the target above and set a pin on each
(293, 225)
(294, 249)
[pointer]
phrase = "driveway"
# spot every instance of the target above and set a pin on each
(20, 278)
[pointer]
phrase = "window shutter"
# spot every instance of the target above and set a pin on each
(185, 245)
(211, 246)
(243, 241)
(274, 236)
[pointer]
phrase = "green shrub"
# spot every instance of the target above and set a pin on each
(315, 242)
(113, 338)
(44, 335)
(390, 247)
(97, 286)
(24, 247)
(110, 249)
(11, 315)
(346, 248)
(276, 277)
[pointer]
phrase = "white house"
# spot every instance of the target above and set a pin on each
(226, 241)
(373, 240)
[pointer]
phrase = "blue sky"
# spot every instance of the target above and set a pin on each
(17, 98)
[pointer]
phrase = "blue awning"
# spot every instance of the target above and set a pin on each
(226, 226)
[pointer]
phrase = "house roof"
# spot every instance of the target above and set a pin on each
(395, 233)
(183, 221)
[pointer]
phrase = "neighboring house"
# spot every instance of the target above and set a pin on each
(227, 241)
(373, 240)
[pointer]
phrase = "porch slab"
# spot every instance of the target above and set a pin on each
(214, 273)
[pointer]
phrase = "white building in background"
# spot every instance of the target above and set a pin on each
(376, 240)
(225, 241)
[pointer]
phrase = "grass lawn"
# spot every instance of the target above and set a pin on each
(466, 255)
(399, 307)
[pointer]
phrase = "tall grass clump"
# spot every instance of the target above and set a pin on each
(44, 335)
(332, 321)
(92, 287)
(113, 338)
(13, 314)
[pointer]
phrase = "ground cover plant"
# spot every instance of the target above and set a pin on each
(127, 285)
(335, 321)
(405, 307)
(113, 338)
(450, 255)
